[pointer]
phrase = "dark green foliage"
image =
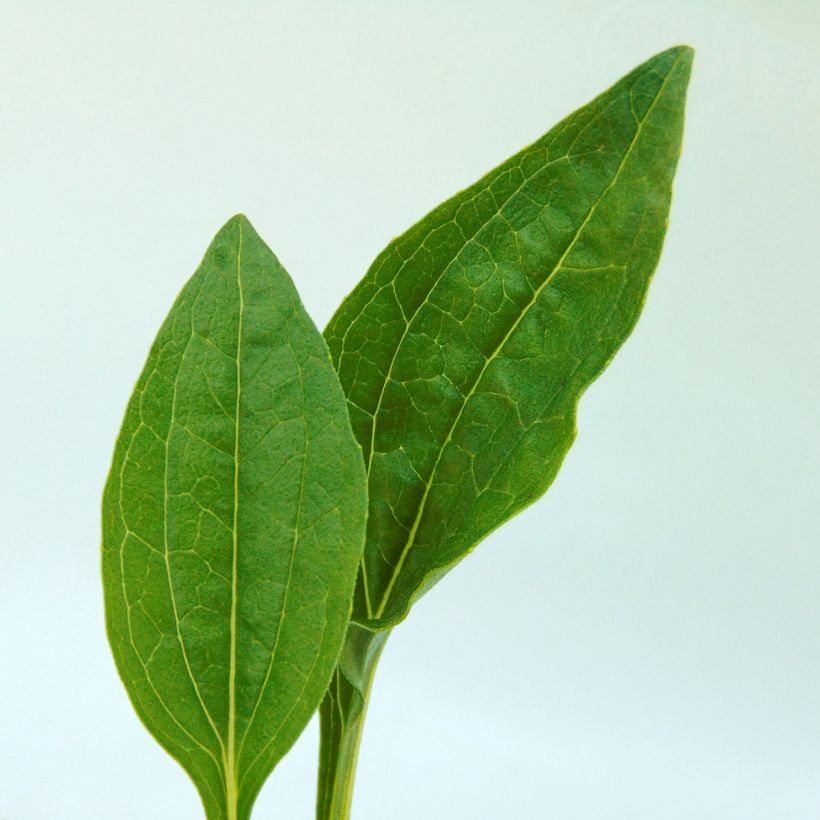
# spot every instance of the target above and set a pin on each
(233, 521)
(465, 349)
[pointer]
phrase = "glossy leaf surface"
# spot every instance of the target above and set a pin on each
(233, 523)
(465, 349)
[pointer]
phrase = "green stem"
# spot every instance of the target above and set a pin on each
(342, 715)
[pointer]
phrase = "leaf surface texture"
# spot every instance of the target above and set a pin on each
(233, 522)
(465, 349)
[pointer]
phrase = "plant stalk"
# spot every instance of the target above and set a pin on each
(342, 715)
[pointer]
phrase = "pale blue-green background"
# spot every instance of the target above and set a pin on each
(644, 643)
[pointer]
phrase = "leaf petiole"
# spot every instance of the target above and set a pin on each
(342, 716)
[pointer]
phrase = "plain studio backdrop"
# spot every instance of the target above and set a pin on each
(641, 644)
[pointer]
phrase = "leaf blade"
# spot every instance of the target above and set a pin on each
(233, 519)
(429, 345)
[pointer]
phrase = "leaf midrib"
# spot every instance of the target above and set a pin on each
(536, 295)
(231, 794)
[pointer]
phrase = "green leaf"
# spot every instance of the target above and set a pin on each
(465, 349)
(233, 523)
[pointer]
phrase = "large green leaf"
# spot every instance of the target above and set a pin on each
(233, 523)
(464, 350)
